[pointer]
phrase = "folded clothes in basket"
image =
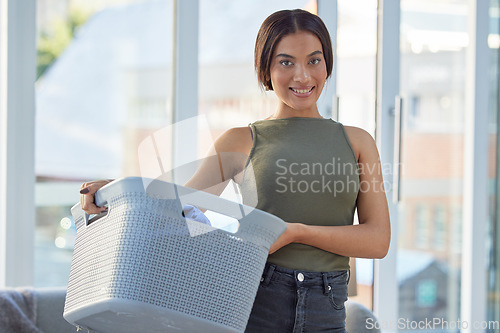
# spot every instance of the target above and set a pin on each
(193, 213)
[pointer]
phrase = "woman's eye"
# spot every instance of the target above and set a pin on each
(314, 61)
(286, 62)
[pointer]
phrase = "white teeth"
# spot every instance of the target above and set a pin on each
(302, 91)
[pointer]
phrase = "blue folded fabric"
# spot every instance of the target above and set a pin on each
(193, 213)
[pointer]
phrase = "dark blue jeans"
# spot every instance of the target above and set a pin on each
(290, 301)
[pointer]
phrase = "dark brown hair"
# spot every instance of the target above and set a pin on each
(278, 25)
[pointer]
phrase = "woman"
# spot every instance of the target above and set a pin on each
(310, 171)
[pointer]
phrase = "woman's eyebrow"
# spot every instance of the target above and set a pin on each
(284, 55)
(315, 52)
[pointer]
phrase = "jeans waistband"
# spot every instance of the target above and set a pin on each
(304, 278)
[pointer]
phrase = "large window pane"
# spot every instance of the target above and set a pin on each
(104, 85)
(433, 43)
(356, 56)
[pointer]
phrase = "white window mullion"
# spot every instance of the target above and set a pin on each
(185, 85)
(476, 148)
(17, 113)
(385, 298)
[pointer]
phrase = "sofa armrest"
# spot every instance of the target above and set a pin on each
(50, 307)
(360, 319)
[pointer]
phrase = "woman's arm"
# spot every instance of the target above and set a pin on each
(226, 158)
(371, 237)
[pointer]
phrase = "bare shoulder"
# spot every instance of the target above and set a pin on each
(236, 139)
(361, 141)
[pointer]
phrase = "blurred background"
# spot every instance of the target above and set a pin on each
(104, 85)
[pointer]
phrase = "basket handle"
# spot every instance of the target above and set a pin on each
(247, 216)
(100, 199)
(165, 190)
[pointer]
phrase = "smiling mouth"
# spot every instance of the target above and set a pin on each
(301, 91)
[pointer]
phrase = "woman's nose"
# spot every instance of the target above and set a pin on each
(302, 74)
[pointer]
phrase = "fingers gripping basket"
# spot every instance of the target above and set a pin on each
(144, 267)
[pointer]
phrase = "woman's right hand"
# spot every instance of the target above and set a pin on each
(87, 192)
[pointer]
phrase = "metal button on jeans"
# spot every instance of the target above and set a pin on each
(300, 277)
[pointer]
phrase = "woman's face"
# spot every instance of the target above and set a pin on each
(298, 72)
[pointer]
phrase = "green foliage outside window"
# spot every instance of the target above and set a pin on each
(54, 40)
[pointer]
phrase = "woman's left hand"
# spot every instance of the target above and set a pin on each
(287, 237)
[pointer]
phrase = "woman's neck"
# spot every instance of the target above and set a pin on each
(286, 112)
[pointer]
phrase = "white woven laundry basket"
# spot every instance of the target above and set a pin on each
(145, 268)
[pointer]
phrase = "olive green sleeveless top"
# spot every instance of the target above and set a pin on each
(303, 170)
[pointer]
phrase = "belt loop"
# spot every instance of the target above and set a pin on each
(269, 274)
(326, 290)
(348, 276)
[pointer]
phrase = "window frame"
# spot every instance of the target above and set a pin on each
(17, 119)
